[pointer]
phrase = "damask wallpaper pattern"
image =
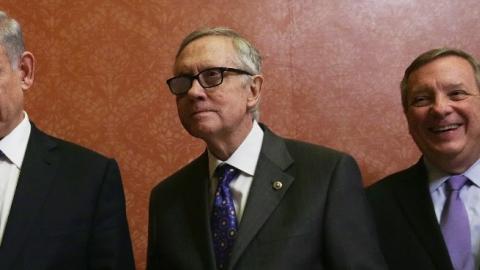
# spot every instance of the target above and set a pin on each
(332, 70)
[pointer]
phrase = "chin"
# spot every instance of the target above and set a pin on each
(447, 150)
(201, 131)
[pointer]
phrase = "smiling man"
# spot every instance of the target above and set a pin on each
(428, 215)
(252, 200)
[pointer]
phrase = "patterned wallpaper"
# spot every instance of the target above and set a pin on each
(332, 70)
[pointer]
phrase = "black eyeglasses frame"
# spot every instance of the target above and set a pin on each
(196, 77)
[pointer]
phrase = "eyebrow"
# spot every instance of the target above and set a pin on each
(424, 88)
(189, 71)
(454, 85)
(419, 88)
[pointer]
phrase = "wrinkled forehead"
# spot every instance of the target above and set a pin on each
(206, 52)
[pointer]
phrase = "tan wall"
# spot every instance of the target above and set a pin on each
(332, 70)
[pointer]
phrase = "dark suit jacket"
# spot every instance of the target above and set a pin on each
(410, 236)
(318, 220)
(68, 211)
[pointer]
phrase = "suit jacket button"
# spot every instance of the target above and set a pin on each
(277, 185)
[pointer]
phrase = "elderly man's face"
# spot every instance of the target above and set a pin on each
(11, 94)
(220, 112)
(443, 110)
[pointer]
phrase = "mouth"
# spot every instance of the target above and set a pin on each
(446, 128)
(199, 112)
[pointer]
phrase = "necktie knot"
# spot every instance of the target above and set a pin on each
(456, 182)
(226, 173)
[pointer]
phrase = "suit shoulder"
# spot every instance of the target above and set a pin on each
(302, 152)
(315, 151)
(79, 151)
(391, 179)
(384, 188)
(183, 175)
(73, 162)
(65, 149)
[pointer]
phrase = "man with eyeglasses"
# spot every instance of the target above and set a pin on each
(252, 200)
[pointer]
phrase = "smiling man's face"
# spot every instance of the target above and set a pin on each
(443, 111)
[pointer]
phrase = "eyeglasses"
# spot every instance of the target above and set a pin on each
(207, 78)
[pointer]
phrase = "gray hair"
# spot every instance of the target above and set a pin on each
(247, 54)
(428, 57)
(11, 38)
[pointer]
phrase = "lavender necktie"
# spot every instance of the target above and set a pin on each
(455, 225)
(224, 219)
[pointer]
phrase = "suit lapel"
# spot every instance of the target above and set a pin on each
(415, 200)
(37, 172)
(263, 198)
(198, 211)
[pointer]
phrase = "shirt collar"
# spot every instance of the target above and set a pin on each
(437, 177)
(473, 173)
(246, 156)
(15, 143)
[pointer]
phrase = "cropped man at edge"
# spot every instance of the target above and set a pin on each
(428, 215)
(61, 206)
(252, 200)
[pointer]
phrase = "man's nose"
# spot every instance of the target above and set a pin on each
(196, 89)
(442, 105)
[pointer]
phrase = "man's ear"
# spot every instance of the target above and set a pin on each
(255, 91)
(27, 68)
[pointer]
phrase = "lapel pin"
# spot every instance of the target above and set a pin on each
(277, 185)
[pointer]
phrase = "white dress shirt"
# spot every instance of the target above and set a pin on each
(13, 147)
(245, 159)
(470, 195)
